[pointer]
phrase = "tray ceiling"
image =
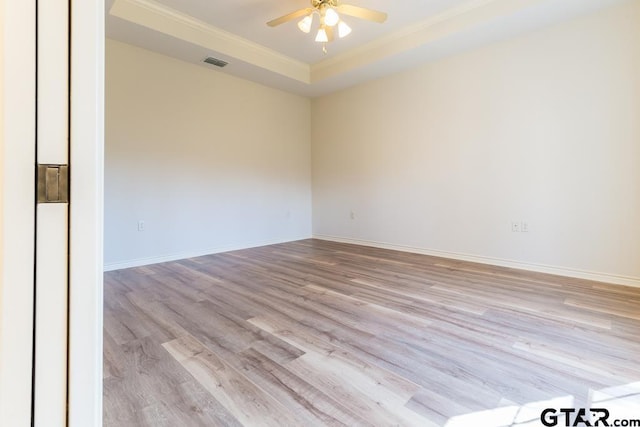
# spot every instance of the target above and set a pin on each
(416, 31)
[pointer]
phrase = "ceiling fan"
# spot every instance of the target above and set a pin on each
(329, 14)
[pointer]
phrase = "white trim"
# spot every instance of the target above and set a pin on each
(541, 268)
(85, 243)
(192, 254)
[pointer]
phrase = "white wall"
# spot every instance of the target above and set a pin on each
(544, 128)
(208, 161)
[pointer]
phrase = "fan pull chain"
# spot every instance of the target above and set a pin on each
(324, 48)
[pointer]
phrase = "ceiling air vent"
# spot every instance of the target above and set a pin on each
(215, 61)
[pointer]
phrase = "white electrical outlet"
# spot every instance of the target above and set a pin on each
(140, 225)
(524, 227)
(515, 227)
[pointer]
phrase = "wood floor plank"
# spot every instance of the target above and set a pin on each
(315, 346)
(306, 401)
(151, 389)
(437, 407)
(628, 309)
(315, 333)
(429, 298)
(408, 364)
(374, 314)
(614, 372)
(545, 307)
(356, 391)
(248, 403)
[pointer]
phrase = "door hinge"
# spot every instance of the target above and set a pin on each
(53, 183)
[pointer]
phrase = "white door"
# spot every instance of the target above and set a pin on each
(52, 214)
(62, 384)
(17, 193)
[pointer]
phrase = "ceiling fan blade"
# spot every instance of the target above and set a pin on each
(362, 13)
(290, 17)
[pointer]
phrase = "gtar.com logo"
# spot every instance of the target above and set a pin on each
(571, 417)
(582, 417)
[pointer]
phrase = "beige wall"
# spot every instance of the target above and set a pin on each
(544, 128)
(208, 161)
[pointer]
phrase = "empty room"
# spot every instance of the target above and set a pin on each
(364, 212)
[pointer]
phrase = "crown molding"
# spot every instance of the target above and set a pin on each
(158, 17)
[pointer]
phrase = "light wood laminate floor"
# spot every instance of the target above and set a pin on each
(320, 333)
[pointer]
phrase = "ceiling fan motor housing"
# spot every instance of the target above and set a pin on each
(318, 4)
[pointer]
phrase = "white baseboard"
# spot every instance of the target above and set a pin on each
(541, 268)
(139, 262)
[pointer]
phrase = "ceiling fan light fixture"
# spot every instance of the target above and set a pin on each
(331, 17)
(343, 29)
(330, 26)
(305, 24)
(322, 36)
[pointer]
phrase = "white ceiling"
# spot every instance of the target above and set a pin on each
(247, 19)
(416, 31)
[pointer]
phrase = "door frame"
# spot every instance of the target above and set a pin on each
(17, 205)
(86, 212)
